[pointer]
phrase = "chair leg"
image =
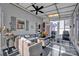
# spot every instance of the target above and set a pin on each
(43, 47)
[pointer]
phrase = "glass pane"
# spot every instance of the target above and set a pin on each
(67, 29)
(54, 25)
(61, 24)
(61, 31)
(67, 23)
(61, 27)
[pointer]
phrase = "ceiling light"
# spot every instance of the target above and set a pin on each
(51, 15)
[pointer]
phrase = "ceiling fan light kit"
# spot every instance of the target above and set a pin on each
(51, 15)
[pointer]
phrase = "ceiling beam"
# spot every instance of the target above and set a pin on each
(74, 9)
(30, 5)
(49, 5)
(67, 11)
(27, 6)
(65, 14)
(57, 10)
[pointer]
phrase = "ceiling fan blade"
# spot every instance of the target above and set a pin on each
(36, 12)
(41, 11)
(32, 10)
(37, 7)
(41, 7)
(33, 6)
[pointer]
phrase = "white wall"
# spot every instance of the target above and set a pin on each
(9, 10)
(74, 33)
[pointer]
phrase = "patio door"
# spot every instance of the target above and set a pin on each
(54, 26)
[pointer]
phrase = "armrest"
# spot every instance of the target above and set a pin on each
(29, 50)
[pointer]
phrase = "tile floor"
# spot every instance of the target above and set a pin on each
(55, 48)
(64, 48)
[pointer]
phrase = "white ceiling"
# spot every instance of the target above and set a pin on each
(64, 9)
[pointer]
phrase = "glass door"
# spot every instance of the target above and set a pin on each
(59, 46)
(54, 29)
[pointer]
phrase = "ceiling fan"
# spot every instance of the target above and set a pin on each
(37, 9)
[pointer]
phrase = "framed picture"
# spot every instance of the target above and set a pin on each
(20, 24)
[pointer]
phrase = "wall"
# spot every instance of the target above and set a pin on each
(9, 10)
(74, 33)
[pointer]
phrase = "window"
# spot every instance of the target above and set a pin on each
(67, 25)
(61, 27)
(64, 25)
(13, 23)
(54, 25)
